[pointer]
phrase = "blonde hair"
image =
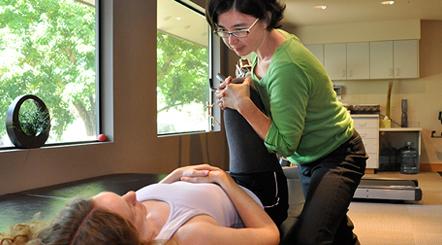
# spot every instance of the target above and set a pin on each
(79, 223)
(21, 234)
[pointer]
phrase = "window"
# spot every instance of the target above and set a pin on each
(183, 51)
(48, 48)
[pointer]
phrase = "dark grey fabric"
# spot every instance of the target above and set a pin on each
(270, 188)
(247, 152)
(253, 166)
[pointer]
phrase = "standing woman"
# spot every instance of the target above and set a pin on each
(302, 121)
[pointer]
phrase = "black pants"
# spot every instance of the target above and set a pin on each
(253, 166)
(270, 188)
(329, 185)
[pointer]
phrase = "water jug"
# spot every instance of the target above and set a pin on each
(409, 159)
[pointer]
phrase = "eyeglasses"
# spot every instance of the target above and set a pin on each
(238, 33)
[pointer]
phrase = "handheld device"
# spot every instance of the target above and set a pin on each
(220, 77)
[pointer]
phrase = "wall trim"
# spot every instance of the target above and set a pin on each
(431, 167)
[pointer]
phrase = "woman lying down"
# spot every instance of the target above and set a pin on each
(199, 204)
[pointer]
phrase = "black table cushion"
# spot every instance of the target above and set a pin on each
(43, 204)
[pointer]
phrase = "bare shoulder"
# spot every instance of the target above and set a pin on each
(196, 231)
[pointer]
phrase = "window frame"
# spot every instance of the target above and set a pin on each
(214, 118)
(98, 83)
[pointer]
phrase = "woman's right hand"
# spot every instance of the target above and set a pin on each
(194, 170)
(191, 170)
(234, 93)
(214, 175)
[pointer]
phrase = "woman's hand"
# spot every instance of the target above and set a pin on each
(191, 170)
(232, 95)
(194, 174)
(201, 170)
(224, 83)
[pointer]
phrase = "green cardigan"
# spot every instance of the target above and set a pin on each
(308, 121)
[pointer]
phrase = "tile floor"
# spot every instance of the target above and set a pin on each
(407, 223)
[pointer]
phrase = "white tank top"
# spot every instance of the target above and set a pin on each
(186, 200)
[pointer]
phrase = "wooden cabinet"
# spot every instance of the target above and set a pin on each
(381, 60)
(394, 59)
(392, 140)
(358, 61)
(317, 50)
(383, 144)
(368, 127)
(347, 61)
(406, 58)
(369, 60)
(335, 60)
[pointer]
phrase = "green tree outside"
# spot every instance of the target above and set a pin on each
(182, 71)
(182, 74)
(47, 48)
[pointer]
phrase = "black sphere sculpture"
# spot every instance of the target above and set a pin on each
(14, 128)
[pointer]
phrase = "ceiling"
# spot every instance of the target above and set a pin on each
(301, 12)
(178, 20)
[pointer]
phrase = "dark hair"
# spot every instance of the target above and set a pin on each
(80, 223)
(271, 10)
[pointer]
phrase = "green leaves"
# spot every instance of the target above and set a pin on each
(33, 120)
(47, 48)
(182, 71)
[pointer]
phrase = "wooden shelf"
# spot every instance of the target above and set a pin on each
(364, 115)
(399, 129)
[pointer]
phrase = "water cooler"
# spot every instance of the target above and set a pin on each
(409, 159)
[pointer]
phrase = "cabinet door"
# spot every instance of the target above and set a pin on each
(368, 129)
(335, 59)
(381, 60)
(406, 58)
(317, 50)
(358, 61)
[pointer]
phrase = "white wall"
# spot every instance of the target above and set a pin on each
(360, 31)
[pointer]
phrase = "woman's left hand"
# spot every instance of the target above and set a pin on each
(233, 95)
